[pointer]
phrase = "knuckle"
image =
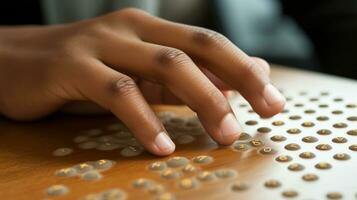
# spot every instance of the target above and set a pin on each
(215, 98)
(122, 86)
(203, 36)
(129, 13)
(172, 57)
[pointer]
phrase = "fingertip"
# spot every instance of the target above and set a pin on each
(163, 145)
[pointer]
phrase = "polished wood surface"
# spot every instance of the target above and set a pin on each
(27, 165)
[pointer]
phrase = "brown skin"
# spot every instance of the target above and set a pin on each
(123, 61)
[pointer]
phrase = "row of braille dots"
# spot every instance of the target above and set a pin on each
(88, 171)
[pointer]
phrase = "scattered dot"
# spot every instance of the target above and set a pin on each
(251, 122)
(307, 124)
(278, 138)
(188, 183)
(225, 173)
(88, 145)
(324, 93)
(267, 151)
(189, 168)
(298, 105)
(338, 99)
(337, 112)
(290, 193)
(283, 158)
(351, 106)
(339, 140)
(296, 167)
(323, 147)
(177, 162)
(334, 195)
(322, 118)
(323, 106)
(307, 155)
(310, 177)
(323, 165)
(202, 159)
(324, 132)
(244, 136)
(83, 167)
(103, 164)
(353, 147)
(107, 146)
(352, 118)
(239, 186)
(294, 131)
(170, 174)
(295, 117)
(157, 166)
(309, 139)
(91, 175)
(62, 151)
(292, 147)
(340, 125)
(341, 156)
(309, 111)
(278, 123)
(57, 190)
(142, 183)
(313, 99)
(156, 189)
(66, 172)
(206, 176)
(113, 194)
(185, 139)
(352, 132)
(256, 143)
(263, 130)
(272, 183)
(131, 151)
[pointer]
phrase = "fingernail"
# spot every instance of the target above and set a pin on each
(164, 143)
(230, 128)
(272, 95)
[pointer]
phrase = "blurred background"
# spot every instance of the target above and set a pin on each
(319, 35)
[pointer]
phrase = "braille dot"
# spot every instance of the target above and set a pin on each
(308, 124)
(225, 173)
(177, 162)
(323, 165)
(113, 194)
(334, 195)
(352, 118)
(298, 105)
(83, 167)
(324, 132)
(80, 138)
(296, 167)
(66, 172)
(244, 136)
(278, 123)
(91, 175)
(338, 99)
(307, 155)
(206, 176)
(339, 140)
(166, 196)
(290, 193)
(251, 111)
(131, 151)
(88, 145)
(341, 156)
(324, 93)
(157, 166)
(310, 177)
(292, 147)
(353, 147)
(202, 159)
(256, 143)
(57, 190)
(114, 127)
(62, 151)
(323, 106)
(243, 105)
(184, 139)
(303, 93)
(156, 189)
(352, 132)
(239, 186)
(278, 138)
(267, 151)
(189, 168)
(142, 183)
(309, 139)
(313, 99)
(324, 147)
(340, 125)
(240, 146)
(103, 164)
(351, 106)
(251, 122)
(283, 158)
(294, 131)
(263, 130)
(285, 111)
(322, 118)
(170, 174)
(295, 117)
(289, 99)
(188, 183)
(309, 111)
(272, 183)
(107, 146)
(337, 112)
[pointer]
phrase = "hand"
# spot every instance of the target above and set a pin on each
(116, 60)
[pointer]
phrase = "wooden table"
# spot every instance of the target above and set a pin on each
(27, 165)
